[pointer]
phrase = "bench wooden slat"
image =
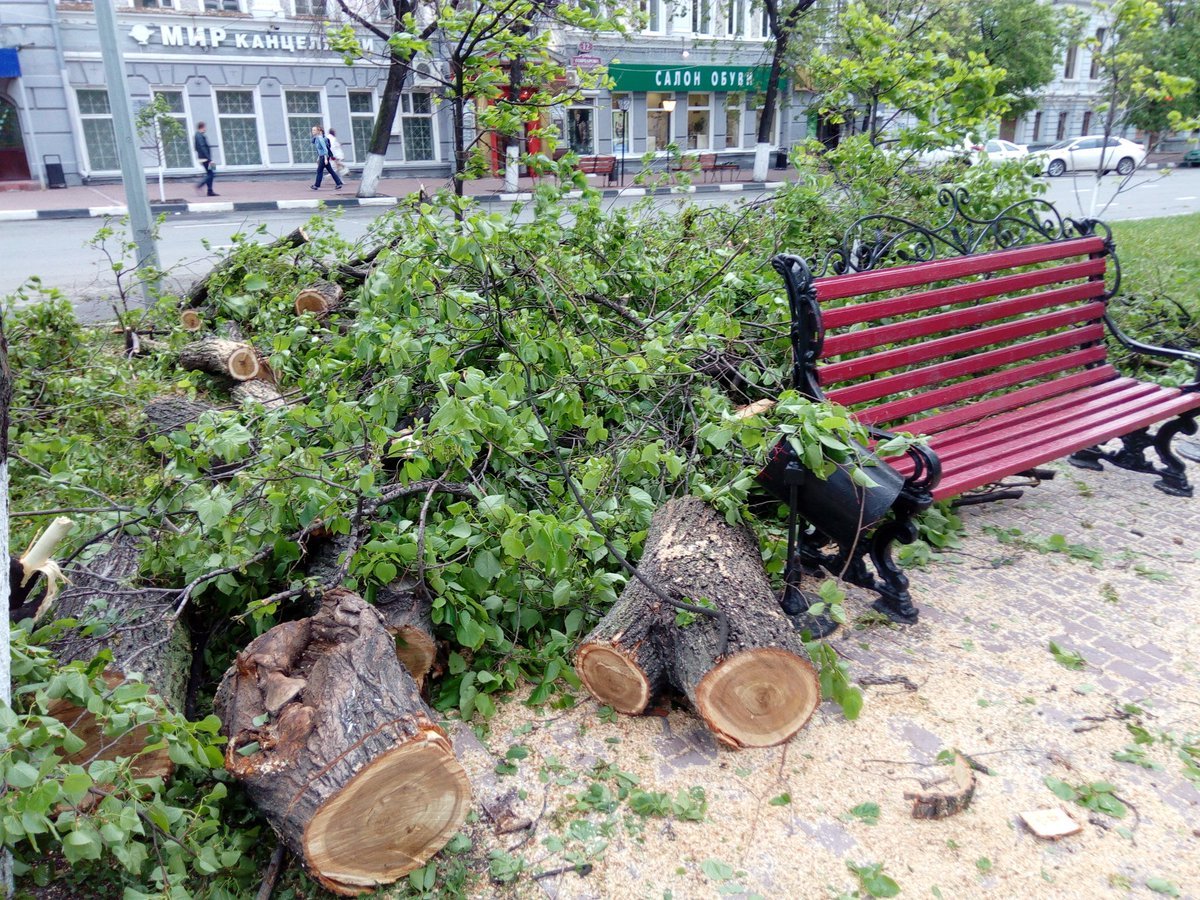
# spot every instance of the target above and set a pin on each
(1037, 423)
(987, 467)
(985, 384)
(968, 340)
(1098, 376)
(941, 372)
(1107, 395)
(873, 310)
(856, 283)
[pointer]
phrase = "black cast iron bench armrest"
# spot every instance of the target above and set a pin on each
(1151, 350)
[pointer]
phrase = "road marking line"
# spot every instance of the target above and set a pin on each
(1184, 198)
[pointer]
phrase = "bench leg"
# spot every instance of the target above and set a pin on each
(894, 600)
(1088, 458)
(1173, 474)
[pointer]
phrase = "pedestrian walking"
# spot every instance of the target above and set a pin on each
(321, 145)
(204, 154)
(336, 151)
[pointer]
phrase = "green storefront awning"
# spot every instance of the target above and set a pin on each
(651, 77)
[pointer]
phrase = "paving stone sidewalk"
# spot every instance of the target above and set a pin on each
(1119, 588)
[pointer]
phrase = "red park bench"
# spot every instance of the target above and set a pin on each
(988, 339)
(598, 165)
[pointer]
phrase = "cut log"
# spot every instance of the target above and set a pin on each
(217, 356)
(761, 691)
(190, 320)
(165, 415)
(137, 626)
(408, 616)
(257, 391)
(198, 292)
(331, 741)
(943, 804)
(320, 298)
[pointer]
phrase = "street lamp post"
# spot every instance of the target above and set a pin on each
(623, 105)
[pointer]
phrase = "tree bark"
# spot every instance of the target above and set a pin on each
(322, 298)
(408, 616)
(198, 293)
(167, 414)
(217, 356)
(135, 625)
(257, 391)
(330, 739)
(760, 691)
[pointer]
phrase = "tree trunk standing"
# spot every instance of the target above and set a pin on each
(781, 27)
(760, 691)
(381, 137)
(330, 739)
(137, 627)
(6, 392)
(458, 105)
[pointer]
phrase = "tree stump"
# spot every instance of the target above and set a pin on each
(330, 739)
(137, 626)
(761, 691)
(322, 298)
(217, 356)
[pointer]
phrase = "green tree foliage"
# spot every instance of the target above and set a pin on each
(1173, 45)
(1024, 38)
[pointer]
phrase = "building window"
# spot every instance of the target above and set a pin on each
(303, 112)
(754, 104)
(1062, 127)
(1087, 122)
(1037, 126)
(311, 7)
(177, 147)
(1069, 65)
(98, 135)
(580, 130)
(735, 18)
(153, 4)
(764, 24)
(660, 122)
(702, 18)
(733, 121)
(1097, 53)
(362, 122)
(653, 12)
(222, 6)
(699, 122)
(620, 121)
(416, 127)
(238, 122)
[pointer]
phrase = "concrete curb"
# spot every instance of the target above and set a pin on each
(178, 209)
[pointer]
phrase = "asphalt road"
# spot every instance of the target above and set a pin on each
(56, 249)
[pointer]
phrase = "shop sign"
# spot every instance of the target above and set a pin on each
(650, 77)
(586, 62)
(216, 37)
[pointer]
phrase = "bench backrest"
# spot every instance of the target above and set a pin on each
(597, 165)
(708, 160)
(927, 345)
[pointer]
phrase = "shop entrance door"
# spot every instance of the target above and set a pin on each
(14, 166)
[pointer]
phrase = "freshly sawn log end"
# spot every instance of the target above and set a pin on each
(218, 356)
(758, 698)
(330, 738)
(191, 320)
(615, 677)
(320, 298)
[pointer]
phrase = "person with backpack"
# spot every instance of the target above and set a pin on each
(321, 146)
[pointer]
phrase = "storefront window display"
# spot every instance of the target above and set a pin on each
(699, 124)
(580, 135)
(733, 121)
(660, 121)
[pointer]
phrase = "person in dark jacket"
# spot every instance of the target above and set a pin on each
(204, 154)
(324, 158)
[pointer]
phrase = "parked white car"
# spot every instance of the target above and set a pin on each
(998, 150)
(969, 152)
(1083, 155)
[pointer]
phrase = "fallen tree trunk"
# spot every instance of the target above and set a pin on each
(330, 738)
(257, 391)
(137, 627)
(321, 298)
(218, 356)
(167, 414)
(191, 320)
(198, 292)
(757, 691)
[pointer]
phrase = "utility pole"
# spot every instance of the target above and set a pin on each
(136, 198)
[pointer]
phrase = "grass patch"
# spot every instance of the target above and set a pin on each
(1160, 268)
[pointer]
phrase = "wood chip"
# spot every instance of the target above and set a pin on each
(757, 408)
(1050, 824)
(942, 804)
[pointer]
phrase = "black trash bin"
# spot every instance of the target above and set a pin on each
(55, 178)
(781, 159)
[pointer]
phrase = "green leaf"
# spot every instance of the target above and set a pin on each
(486, 565)
(782, 800)
(1163, 886)
(1060, 788)
(255, 282)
